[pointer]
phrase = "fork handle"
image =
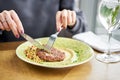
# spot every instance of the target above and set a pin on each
(58, 31)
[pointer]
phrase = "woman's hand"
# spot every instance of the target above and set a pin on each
(65, 18)
(9, 20)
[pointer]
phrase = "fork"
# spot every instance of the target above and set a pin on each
(51, 40)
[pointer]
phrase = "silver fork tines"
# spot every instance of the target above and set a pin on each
(51, 41)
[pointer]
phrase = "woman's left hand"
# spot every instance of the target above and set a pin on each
(65, 18)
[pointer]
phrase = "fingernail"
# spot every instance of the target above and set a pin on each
(58, 29)
(17, 36)
(21, 31)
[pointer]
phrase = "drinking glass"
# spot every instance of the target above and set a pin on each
(109, 15)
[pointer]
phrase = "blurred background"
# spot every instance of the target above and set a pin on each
(90, 7)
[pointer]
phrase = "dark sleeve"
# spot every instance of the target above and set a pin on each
(0, 35)
(0, 32)
(81, 24)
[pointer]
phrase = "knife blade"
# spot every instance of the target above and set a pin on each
(32, 41)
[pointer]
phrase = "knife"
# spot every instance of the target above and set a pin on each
(32, 41)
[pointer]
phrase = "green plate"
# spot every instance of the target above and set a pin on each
(77, 52)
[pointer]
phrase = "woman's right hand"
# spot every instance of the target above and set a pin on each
(9, 20)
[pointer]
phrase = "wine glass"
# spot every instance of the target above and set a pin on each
(109, 15)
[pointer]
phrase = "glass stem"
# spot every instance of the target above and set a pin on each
(109, 44)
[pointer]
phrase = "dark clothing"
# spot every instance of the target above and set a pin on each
(38, 17)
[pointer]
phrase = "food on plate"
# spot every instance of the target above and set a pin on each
(54, 55)
(40, 55)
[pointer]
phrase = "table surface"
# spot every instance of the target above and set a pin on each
(12, 68)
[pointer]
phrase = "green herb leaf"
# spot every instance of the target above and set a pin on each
(105, 11)
(114, 14)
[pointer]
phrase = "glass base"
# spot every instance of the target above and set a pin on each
(112, 58)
